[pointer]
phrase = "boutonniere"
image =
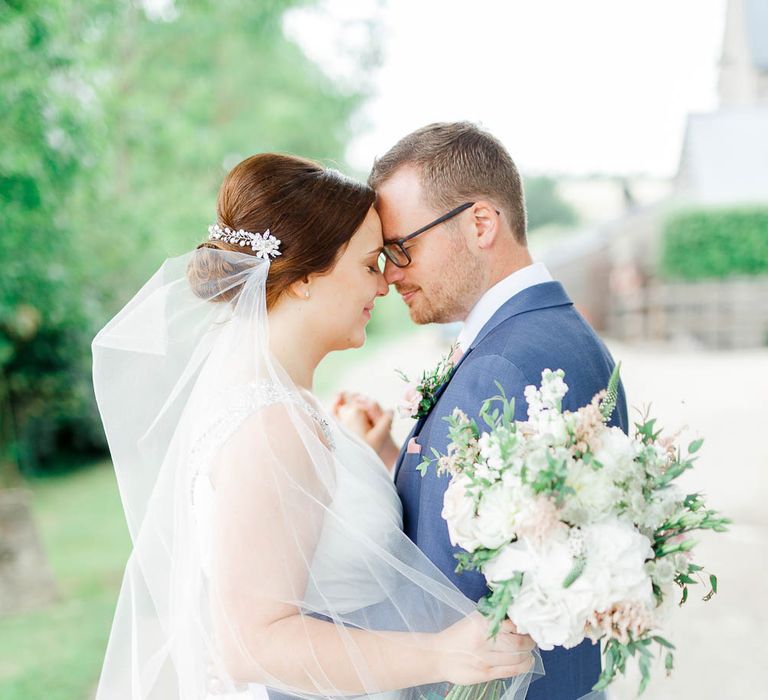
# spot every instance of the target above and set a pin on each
(419, 397)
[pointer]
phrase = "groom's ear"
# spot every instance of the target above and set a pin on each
(485, 223)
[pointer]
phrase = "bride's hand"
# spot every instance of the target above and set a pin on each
(351, 414)
(467, 656)
(367, 419)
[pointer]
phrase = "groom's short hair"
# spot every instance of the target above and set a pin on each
(458, 162)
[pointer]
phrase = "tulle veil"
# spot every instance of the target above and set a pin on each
(239, 496)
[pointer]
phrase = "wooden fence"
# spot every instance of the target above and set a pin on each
(713, 314)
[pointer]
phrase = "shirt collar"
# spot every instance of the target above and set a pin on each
(494, 298)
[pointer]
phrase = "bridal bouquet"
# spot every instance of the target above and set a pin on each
(579, 529)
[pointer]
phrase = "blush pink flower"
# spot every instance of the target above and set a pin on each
(538, 520)
(623, 621)
(409, 404)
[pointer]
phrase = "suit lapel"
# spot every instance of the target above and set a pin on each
(540, 296)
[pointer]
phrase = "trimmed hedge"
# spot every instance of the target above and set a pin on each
(715, 243)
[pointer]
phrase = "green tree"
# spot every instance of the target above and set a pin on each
(44, 134)
(544, 204)
(117, 130)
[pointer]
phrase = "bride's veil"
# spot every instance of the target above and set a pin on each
(245, 573)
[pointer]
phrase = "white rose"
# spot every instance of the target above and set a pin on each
(547, 619)
(516, 556)
(595, 495)
(495, 521)
(459, 514)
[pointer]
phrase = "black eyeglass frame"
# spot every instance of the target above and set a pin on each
(399, 242)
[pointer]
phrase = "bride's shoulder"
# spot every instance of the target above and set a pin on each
(271, 406)
(268, 394)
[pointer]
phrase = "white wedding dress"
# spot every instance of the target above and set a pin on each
(309, 518)
(365, 495)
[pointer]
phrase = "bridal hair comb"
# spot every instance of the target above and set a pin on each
(265, 245)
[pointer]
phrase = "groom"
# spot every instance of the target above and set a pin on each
(453, 215)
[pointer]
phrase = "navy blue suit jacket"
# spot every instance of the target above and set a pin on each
(536, 329)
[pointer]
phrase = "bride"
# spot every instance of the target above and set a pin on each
(268, 553)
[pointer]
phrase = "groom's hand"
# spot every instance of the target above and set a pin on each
(367, 419)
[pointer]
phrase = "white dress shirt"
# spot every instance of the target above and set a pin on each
(496, 296)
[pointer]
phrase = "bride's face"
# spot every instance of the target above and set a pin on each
(343, 299)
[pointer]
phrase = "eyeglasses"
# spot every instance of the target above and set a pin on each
(398, 254)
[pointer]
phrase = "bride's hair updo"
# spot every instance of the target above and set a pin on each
(312, 210)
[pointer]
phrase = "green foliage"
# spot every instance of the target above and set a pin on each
(608, 404)
(715, 243)
(44, 303)
(544, 205)
(430, 382)
(579, 563)
(492, 418)
(117, 130)
(495, 605)
(55, 653)
(617, 654)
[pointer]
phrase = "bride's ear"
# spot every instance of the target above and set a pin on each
(301, 289)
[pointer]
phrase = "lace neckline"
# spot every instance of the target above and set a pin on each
(236, 404)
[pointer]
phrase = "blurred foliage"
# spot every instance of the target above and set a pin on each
(544, 205)
(715, 243)
(117, 129)
(55, 653)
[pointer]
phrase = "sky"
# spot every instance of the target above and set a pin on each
(572, 87)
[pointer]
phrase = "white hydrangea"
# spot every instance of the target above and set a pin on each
(616, 554)
(554, 615)
(617, 453)
(551, 614)
(595, 495)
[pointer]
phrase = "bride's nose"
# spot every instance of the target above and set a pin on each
(383, 288)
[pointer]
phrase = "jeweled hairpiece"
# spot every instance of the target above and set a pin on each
(265, 245)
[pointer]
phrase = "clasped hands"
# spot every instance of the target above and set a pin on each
(366, 418)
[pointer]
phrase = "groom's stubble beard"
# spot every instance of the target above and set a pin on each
(450, 296)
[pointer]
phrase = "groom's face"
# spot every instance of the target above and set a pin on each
(445, 276)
